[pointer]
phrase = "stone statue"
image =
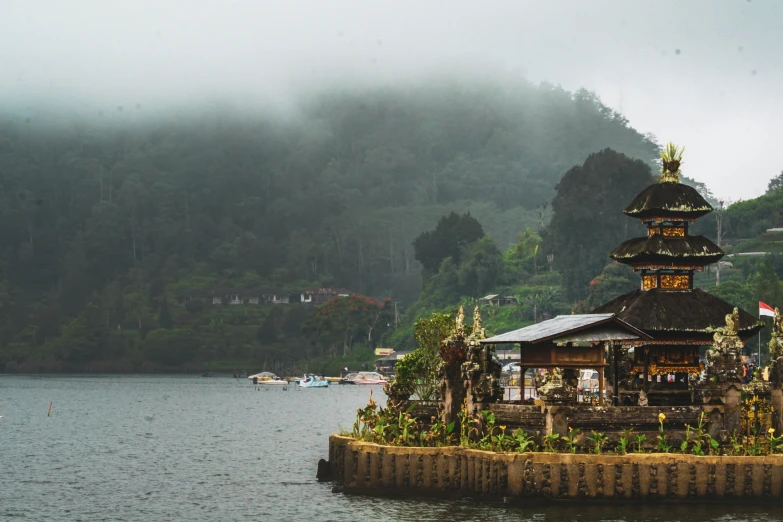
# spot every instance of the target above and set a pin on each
(726, 340)
(459, 328)
(724, 362)
(776, 342)
(477, 320)
(468, 372)
(642, 399)
(555, 388)
(776, 350)
(732, 322)
(480, 372)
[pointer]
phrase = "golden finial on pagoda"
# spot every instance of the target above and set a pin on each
(672, 159)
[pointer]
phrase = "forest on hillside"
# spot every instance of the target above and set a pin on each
(106, 219)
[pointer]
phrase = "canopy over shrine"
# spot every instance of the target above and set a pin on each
(570, 342)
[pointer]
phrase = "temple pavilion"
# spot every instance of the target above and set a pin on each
(678, 318)
(656, 332)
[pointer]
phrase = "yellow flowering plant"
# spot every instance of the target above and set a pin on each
(663, 446)
(775, 443)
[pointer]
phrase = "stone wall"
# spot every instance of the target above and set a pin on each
(460, 472)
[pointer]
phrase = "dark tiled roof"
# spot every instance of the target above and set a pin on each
(659, 311)
(659, 248)
(668, 200)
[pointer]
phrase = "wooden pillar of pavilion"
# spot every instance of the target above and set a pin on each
(601, 386)
(564, 345)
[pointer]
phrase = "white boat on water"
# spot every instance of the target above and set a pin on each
(267, 379)
(369, 378)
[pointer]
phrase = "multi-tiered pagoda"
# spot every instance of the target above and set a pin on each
(678, 317)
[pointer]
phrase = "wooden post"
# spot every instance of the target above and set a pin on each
(615, 384)
(522, 372)
(601, 386)
(645, 384)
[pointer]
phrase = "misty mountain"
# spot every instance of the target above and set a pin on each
(111, 217)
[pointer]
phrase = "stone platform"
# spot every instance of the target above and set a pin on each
(457, 472)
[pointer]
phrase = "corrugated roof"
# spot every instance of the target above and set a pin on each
(599, 334)
(565, 325)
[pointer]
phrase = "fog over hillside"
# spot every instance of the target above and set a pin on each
(702, 73)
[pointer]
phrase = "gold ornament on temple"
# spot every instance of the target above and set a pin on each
(671, 157)
(673, 232)
(677, 282)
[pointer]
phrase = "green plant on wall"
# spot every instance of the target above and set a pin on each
(571, 439)
(663, 446)
(418, 371)
(640, 439)
(597, 440)
(524, 442)
(549, 442)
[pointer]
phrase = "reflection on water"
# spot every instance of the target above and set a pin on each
(162, 448)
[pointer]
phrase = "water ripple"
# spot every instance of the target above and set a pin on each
(174, 448)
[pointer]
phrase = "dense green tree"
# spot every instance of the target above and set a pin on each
(481, 269)
(747, 219)
(419, 369)
(766, 285)
(521, 258)
(164, 316)
(737, 294)
(452, 235)
(171, 347)
(775, 184)
(587, 221)
(615, 279)
(341, 322)
(269, 330)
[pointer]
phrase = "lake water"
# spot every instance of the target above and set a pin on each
(175, 448)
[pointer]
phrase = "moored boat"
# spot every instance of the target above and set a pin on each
(348, 378)
(369, 378)
(311, 381)
(267, 379)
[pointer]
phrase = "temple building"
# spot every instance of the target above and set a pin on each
(678, 318)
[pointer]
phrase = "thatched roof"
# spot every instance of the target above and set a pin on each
(673, 200)
(667, 313)
(657, 248)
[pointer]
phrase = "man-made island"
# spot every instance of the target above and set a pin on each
(668, 422)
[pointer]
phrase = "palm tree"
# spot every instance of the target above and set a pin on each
(542, 302)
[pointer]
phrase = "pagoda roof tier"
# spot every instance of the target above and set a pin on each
(690, 250)
(668, 200)
(665, 314)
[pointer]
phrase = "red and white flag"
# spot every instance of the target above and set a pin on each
(765, 309)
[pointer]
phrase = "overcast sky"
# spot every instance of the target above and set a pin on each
(705, 74)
